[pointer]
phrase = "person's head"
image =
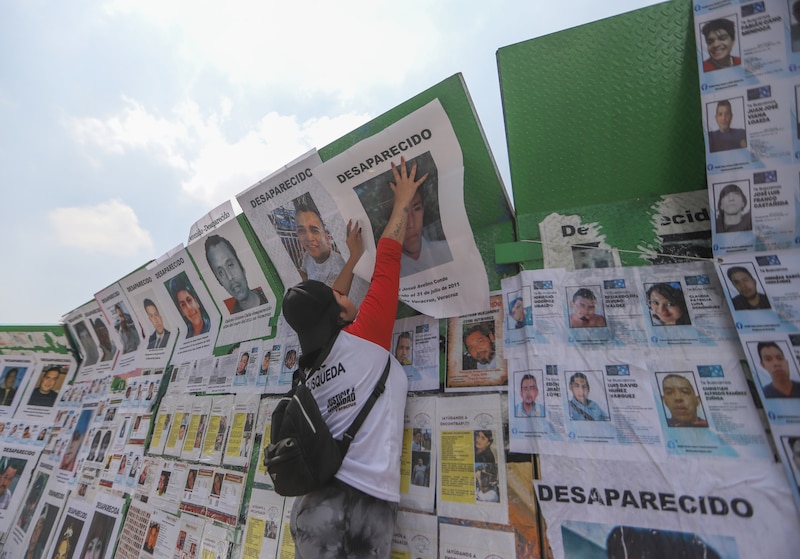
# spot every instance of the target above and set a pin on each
(104, 446)
(418, 436)
(483, 439)
(528, 390)
(479, 341)
(719, 35)
(402, 350)
(516, 308)
(244, 359)
(10, 378)
(265, 361)
(150, 390)
(680, 398)
(63, 547)
(742, 281)
(584, 304)
(95, 545)
(186, 300)
(732, 200)
(317, 313)
(291, 358)
(579, 385)
(152, 536)
(314, 238)
(412, 243)
(49, 379)
(120, 313)
(217, 483)
(9, 472)
(163, 480)
(724, 115)
(226, 266)
(102, 333)
(83, 334)
(155, 317)
(72, 450)
(773, 361)
(190, 479)
(667, 304)
(181, 431)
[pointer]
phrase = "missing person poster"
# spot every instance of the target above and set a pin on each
(184, 289)
(299, 225)
(608, 509)
(457, 541)
(475, 359)
(415, 344)
(762, 290)
(15, 372)
(441, 271)
(33, 540)
(471, 465)
(755, 210)
(158, 316)
(415, 535)
(125, 328)
(51, 375)
(17, 463)
(262, 532)
(234, 275)
(418, 463)
(92, 334)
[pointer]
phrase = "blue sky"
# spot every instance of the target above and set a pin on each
(125, 121)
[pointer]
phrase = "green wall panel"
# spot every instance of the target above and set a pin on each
(603, 113)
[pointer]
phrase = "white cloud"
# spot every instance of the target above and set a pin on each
(215, 167)
(306, 46)
(107, 228)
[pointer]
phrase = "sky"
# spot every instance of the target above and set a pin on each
(125, 121)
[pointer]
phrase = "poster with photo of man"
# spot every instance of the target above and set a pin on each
(234, 276)
(44, 388)
(300, 226)
(90, 331)
(161, 323)
(17, 463)
(442, 272)
(14, 374)
(476, 360)
(125, 327)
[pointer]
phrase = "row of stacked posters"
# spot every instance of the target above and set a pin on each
(748, 55)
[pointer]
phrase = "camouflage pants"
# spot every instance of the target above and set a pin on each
(340, 522)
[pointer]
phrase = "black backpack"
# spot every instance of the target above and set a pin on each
(302, 455)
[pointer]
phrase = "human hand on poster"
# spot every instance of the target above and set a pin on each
(355, 244)
(405, 188)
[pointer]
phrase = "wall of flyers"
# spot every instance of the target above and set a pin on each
(583, 410)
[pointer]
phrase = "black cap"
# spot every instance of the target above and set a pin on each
(312, 311)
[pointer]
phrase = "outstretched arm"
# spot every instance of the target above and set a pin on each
(355, 244)
(404, 187)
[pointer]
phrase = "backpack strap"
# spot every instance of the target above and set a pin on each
(350, 434)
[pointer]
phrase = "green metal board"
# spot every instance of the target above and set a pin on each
(602, 114)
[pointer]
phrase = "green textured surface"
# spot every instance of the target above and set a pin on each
(488, 211)
(602, 113)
